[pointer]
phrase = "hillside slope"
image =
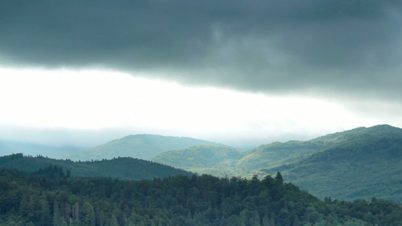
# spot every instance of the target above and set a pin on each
(210, 159)
(283, 153)
(123, 168)
(366, 163)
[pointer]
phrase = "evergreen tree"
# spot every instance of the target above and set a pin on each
(45, 218)
(279, 178)
(113, 221)
(58, 219)
(88, 214)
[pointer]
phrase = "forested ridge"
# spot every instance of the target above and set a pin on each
(359, 164)
(51, 197)
(123, 168)
(142, 146)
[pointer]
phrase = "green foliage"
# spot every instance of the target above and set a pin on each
(35, 199)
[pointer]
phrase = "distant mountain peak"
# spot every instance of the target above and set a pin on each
(359, 132)
(383, 127)
(376, 127)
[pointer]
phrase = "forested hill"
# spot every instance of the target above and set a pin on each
(278, 154)
(142, 146)
(361, 163)
(123, 168)
(49, 197)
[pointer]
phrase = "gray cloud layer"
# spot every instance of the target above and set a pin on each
(348, 46)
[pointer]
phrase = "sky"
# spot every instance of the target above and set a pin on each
(239, 72)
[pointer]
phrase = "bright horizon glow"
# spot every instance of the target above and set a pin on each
(100, 99)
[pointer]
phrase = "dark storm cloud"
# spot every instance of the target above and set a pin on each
(352, 46)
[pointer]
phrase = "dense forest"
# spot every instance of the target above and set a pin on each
(50, 196)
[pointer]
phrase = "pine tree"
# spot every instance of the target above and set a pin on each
(58, 220)
(45, 218)
(279, 178)
(88, 214)
(113, 221)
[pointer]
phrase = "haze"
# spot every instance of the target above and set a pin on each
(239, 73)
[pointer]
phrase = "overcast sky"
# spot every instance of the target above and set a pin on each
(233, 71)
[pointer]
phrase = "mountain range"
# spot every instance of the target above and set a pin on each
(356, 164)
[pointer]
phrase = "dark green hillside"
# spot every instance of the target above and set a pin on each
(49, 197)
(143, 146)
(212, 159)
(367, 163)
(123, 168)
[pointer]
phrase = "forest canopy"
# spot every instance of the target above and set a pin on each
(51, 196)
